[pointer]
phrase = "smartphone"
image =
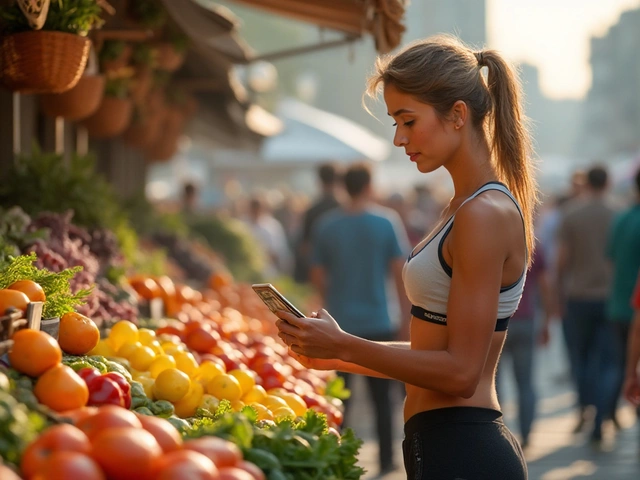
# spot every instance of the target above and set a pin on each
(274, 299)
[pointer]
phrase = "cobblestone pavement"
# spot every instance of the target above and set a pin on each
(555, 453)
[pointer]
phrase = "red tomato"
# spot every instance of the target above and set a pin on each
(66, 465)
(252, 468)
(59, 438)
(108, 416)
(235, 473)
(222, 452)
(183, 464)
(166, 434)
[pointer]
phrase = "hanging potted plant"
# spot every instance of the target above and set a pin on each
(50, 59)
(114, 113)
(149, 14)
(114, 55)
(172, 49)
(79, 102)
(146, 124)
(143, 59)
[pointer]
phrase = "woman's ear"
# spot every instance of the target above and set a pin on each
(459, 114)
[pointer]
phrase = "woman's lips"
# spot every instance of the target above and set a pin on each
(413, 156)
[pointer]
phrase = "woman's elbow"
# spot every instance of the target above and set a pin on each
(464, 384)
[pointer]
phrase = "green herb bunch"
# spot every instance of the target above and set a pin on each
(56, 286)
(301, 449)
(69, 16)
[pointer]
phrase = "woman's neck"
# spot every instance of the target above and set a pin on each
(470, 168)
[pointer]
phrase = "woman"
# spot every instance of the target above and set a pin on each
(466, 278)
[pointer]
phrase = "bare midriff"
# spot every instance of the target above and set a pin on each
(430, 336)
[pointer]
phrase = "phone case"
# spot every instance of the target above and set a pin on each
(274, 299)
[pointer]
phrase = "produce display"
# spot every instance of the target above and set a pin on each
(206, 389)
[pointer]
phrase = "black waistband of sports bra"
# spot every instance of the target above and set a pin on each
(440, 319)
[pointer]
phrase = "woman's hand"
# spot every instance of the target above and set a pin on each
(316, 337)
(315, 363)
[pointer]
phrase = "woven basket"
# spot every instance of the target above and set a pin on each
(111, 119)
(79, 102)
(42, 61)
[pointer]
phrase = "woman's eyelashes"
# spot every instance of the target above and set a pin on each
(406, 124)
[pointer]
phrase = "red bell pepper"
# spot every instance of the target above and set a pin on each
(105, 391)
(88, 374)
(123, 384)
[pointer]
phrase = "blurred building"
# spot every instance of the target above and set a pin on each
(555, 124)
(611, 118)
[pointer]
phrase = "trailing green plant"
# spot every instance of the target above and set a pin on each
(70, 16)
(111, 50)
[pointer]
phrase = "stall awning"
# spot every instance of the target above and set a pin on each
(381, 18)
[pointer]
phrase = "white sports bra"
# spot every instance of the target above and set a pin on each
(427, 277)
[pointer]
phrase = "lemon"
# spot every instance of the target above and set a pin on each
(127, 349)
(283, 412)
(172, 385)
(237, 405)
(295, 403)
(123, 332)
(147, 384)
(263, 412)
(187, 406)
(146, 336)
(103, 348)
(225, 386)
(160, 363)
(207, 370)
(156, 347)
(186, 362)
(141, 358)
(272, 402)
(256, 394)
(245, 378)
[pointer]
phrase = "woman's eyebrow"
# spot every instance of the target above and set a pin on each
(400, 112)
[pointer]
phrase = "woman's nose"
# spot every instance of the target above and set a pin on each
(399, 140)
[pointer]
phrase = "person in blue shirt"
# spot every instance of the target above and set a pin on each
(357, 248)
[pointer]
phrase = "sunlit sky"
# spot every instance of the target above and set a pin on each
(553, 35)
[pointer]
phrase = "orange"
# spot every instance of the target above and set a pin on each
(13, 298)
(127, 453)
(34, 352)
(60, 389)
(58, 438)
(146, 288)
(78, 334)
(30, 288)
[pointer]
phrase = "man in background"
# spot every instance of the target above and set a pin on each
(584, 282)
(357, 248)
(329, 178)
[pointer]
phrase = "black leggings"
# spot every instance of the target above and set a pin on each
(461, 443)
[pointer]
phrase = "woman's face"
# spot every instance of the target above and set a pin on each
(428, 141)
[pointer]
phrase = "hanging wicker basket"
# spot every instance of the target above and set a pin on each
(80, 102)
(144, 134)
(111, 119)
(42, 61)
(165, 147)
